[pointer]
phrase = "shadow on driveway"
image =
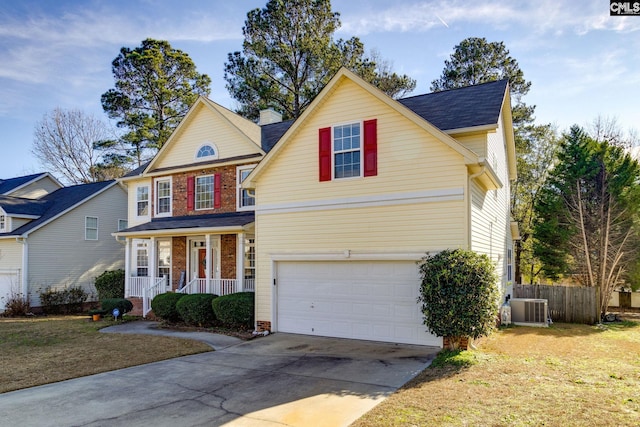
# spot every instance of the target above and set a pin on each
(281, 379)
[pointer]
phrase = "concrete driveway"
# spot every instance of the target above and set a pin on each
(278, 380)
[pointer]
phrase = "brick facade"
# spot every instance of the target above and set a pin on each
(228, 243)
(228, 191)
(263, 325)
(179, 260)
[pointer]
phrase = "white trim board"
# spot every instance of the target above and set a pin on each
(429, 196)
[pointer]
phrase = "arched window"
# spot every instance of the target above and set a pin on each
(207, 151)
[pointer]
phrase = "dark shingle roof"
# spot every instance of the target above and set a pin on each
(271, 133)
(7, 185)
(14, 206)
(460, 108)
(231, 219)
(58, 202)
(137, 171)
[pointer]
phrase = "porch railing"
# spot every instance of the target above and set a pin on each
(137, 285)
(148, 294)
(217, 286)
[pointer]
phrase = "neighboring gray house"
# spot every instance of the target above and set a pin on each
(57, 236)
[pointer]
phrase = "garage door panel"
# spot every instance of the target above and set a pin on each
(362, 300)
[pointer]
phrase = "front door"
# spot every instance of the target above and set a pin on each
(198, 256)
(202, 263)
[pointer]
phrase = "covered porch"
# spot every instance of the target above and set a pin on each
(204, 258)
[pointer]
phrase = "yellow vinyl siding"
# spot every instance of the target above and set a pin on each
(204, 126)
(490, 214)
(416, 228)
(476, 142)
(132, 218)
(249, 128)
(409, 159)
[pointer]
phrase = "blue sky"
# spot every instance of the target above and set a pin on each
(582, 63)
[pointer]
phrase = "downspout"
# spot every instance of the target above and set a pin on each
(25, 266)
(470, 202)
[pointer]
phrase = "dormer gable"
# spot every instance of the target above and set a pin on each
(209, 134)
(32, 186)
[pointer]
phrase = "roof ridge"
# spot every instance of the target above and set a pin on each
(455, 89)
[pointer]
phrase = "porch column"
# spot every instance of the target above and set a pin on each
(127, 266)
(207, 269)
(240, 262)
(152, 261)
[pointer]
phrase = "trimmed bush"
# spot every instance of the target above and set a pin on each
(110, 284)
(62, 301)
(122, 304)
(235, 309)
(196, 309)
(459, 295)
(164, 306)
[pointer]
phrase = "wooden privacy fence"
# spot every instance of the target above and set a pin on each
(569, 304)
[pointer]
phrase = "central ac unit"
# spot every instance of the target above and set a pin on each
(529, 312)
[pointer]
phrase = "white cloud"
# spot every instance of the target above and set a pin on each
(38, 49)
(538, 16)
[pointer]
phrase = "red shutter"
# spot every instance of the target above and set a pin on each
(324, 153)
(370, 148)
(190, 192)
(216, 191)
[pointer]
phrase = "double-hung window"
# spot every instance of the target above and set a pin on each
(142, 201)
(245, 200)
(346, 151)
(163, 197)
(90, 228)
(204, 192)
(3, 223)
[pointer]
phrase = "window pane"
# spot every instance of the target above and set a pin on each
(91, 228)
(143, 193)
(347, 164)
(163, 196)
(346, 149)
(204, 192)
(206, 151)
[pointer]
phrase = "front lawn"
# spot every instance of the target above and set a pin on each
(41, 350)
(564, 375)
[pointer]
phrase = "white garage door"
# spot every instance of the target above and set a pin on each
(352, 299)
(9, 285)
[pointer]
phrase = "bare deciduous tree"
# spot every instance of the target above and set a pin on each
(64, 143)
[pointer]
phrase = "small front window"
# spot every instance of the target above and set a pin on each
(164, 259)
(91, 228)
(163, 197)
(3, 223)
(346, 150)
(204, 192)
(207, 151)
(250, 258)
(142, 201)
(141, 258)
(245, 198)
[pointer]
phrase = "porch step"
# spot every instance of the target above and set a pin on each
(137, 306)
